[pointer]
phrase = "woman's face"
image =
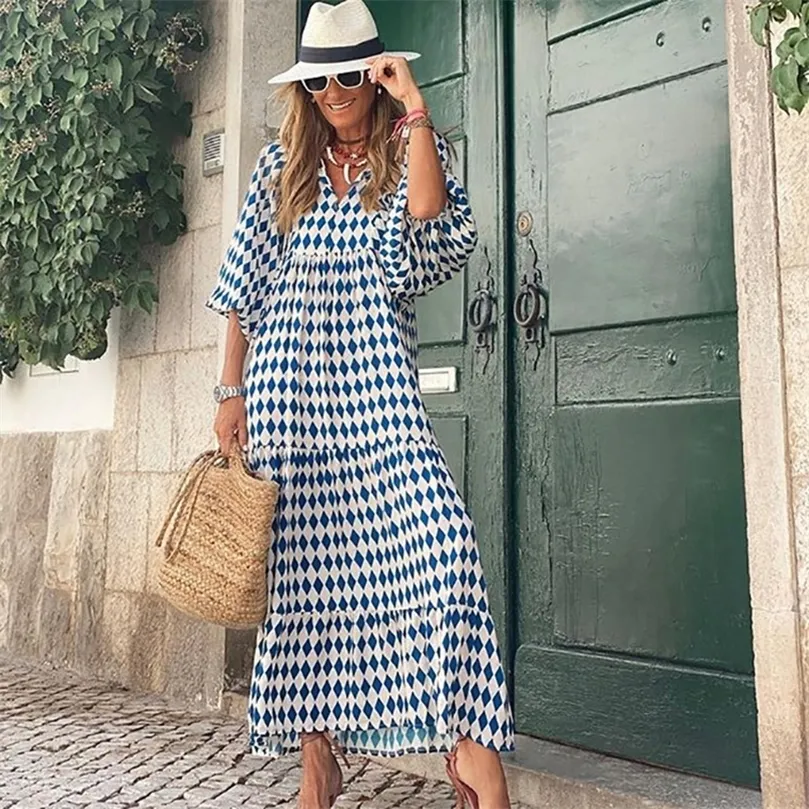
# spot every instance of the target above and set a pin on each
(346, 110)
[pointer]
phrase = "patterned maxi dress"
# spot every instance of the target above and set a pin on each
(378, 627)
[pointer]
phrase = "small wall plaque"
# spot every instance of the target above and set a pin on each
(438, 380)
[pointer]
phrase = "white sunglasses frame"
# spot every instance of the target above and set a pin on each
(334, 76)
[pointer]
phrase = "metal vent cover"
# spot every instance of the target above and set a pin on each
(213, 152)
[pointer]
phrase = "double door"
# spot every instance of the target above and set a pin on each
(583, 371)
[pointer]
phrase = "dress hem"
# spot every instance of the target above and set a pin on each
(261, 749)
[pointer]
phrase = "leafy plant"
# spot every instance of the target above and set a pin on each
(790, 82)
(89, 109)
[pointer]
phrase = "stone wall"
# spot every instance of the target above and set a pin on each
(771, 210)
(81, 510)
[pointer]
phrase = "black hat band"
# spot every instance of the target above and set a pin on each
(371, 47)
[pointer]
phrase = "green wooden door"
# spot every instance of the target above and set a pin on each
(632, 612)
(461, 43)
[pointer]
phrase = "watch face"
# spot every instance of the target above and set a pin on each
(217, 393)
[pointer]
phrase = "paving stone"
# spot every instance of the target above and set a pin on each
(67, 742)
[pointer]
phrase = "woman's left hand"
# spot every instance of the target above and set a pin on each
(393, 73)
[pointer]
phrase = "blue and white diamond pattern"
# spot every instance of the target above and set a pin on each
(378, 626)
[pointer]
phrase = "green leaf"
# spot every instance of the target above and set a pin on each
(128, 98)
(793, 6)
(43, 285)
(142, 27)
(115, 72)
(91, 41)
(802, 52)
(759, 20)
(67, 333)
(116, 228)
(145, 94)
(784, 49)
(81, 77)
(785, 84)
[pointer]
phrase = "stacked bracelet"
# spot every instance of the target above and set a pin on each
(415, 119)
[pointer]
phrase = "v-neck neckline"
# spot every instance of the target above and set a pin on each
(330, 191)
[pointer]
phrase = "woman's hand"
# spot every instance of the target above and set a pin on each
(393, 73)
(231, 423)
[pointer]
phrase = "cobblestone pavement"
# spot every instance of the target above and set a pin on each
(72, 743)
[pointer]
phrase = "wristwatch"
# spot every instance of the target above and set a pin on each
(222, 392)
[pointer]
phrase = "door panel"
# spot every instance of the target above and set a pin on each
(568, 16)
(633, 617)
(646, 521)
(656, 361)
(606, 703)
(641, 227)
(604, 60)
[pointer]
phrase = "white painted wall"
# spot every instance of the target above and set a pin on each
(82, 397)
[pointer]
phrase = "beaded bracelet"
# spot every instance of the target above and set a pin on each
(415, 119)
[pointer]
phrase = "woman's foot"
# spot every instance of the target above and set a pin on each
(322, 779)
(480, 768)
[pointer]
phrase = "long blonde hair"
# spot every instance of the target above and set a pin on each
(304, 137)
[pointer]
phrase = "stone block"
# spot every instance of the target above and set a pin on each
(202, 196)
(78, 490)
(791, 137)
(138, 333)
(174, 306)
(194, 407)
(97, 450)
(56, 624)
(127, 413)
(12, 447)
(779, 697)
(795, 300)
(127, 537)
(211, 72)
(206, 326)
(194, 660)
(89, 605)
(7, 543)
(148, 645)
(162, 489)
(119, 623)
(25, 589)
(4, 614)
(31, 484)
(156, 416)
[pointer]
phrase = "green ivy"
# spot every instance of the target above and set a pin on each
(89, 112)
(790, 82)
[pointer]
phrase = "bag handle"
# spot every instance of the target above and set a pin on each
(189, 491)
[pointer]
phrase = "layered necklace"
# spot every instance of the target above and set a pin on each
(348, 155)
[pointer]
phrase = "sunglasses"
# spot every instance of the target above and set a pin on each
(348, 81)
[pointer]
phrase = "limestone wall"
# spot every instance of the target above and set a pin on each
(771, 210)
(80, 510)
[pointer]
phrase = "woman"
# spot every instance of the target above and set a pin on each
(378, 637)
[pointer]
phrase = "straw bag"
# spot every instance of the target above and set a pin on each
(217, 540)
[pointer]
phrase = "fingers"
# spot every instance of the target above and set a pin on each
(381, 64)
(242, 433)
(225, 440)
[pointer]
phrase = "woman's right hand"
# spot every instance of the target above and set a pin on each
(230, 423)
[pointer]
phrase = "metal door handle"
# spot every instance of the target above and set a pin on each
(531, 311)
(481, 314)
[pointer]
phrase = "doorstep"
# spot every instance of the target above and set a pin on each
(551, 776)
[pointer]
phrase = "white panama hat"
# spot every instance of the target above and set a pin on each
(337, 39)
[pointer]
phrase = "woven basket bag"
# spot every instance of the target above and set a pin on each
(216, 540)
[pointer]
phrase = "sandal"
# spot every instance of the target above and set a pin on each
(336, 750)
(463, 792)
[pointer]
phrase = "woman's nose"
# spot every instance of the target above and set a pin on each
(334, 92)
